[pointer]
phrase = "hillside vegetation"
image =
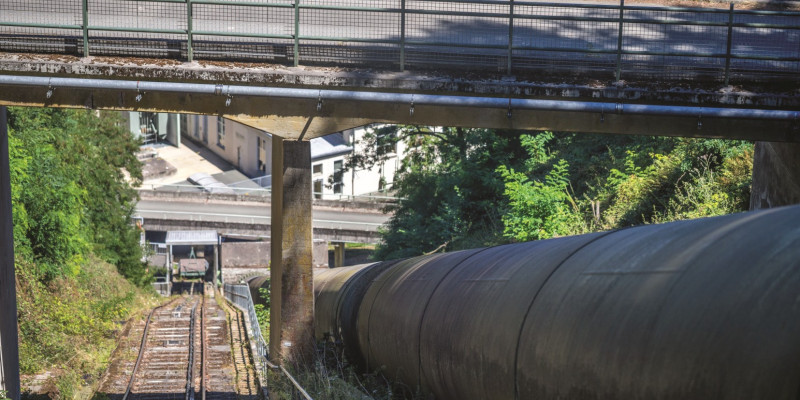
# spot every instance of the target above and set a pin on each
(468, 188)
(74, 242)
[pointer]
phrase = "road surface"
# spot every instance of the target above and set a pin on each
(368, 221)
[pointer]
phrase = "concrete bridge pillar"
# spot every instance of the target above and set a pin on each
(9, 350)
(776, 175)
(338, 254)
(292, 292)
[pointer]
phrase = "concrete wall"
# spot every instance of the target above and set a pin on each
(240, 144)
(241, 259)
(245, 255)
(776, 175)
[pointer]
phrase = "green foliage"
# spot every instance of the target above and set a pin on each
(539, 210)
(70, 193)
(69, 324)
(474, 187)
(628, 182)
(450, 188)
(261, 306)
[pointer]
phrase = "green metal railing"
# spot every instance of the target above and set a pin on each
(504, 36)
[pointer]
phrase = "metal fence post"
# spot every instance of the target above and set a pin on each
(296, 32)
(189, 28)
(402, 35)
(619, 40)
(510, 35)
(85, 7)
(728, 51)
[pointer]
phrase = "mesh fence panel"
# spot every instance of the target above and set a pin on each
(571, 38)
(44, 40)
(40, 40)
(41, 12)
(138, 16)
(459, 37)
(246, 22)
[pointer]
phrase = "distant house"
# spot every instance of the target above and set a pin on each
(250, 151)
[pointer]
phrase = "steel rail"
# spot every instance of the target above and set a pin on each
(142, 348)
(400, 98)
(190, 369)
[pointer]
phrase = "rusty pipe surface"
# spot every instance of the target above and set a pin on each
(697, 309)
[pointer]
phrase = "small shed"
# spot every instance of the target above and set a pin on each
(194, 238)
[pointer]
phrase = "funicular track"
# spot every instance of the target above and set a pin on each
(192, 347)
(166, 365)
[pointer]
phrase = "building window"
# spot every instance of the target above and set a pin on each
(318, 189)
(261, 144)
(386, 142)
(220, 132)
(317, 169)
(338, 166)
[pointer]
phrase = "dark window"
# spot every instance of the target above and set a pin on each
(337, 176)
(318, 189)
(220, 132)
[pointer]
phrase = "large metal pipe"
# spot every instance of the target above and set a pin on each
(695, 309)
(399, 98)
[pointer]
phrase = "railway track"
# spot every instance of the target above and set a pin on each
(165, 367)
(184, 351)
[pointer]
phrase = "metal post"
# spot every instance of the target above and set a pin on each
(619, 39)
(402, 35)
(728, 51)
(189, 28)
(85, 7)
(510, 34)
(9, 350)
(296, 32)
(338, 254)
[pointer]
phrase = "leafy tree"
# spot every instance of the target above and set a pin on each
(449, 184)
(466, 188)
(70, 193)
(539, 210)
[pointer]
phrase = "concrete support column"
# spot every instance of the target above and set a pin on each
(338, 254)
(776, 175)
(9, 350)
(292, 292)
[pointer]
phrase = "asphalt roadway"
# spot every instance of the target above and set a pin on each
(367, 221)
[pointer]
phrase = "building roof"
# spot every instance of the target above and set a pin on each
(191, 237)
(329, 146)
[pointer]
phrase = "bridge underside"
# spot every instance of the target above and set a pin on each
(309, 117)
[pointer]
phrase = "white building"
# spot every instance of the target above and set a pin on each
(246, 148)
(250, 150)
